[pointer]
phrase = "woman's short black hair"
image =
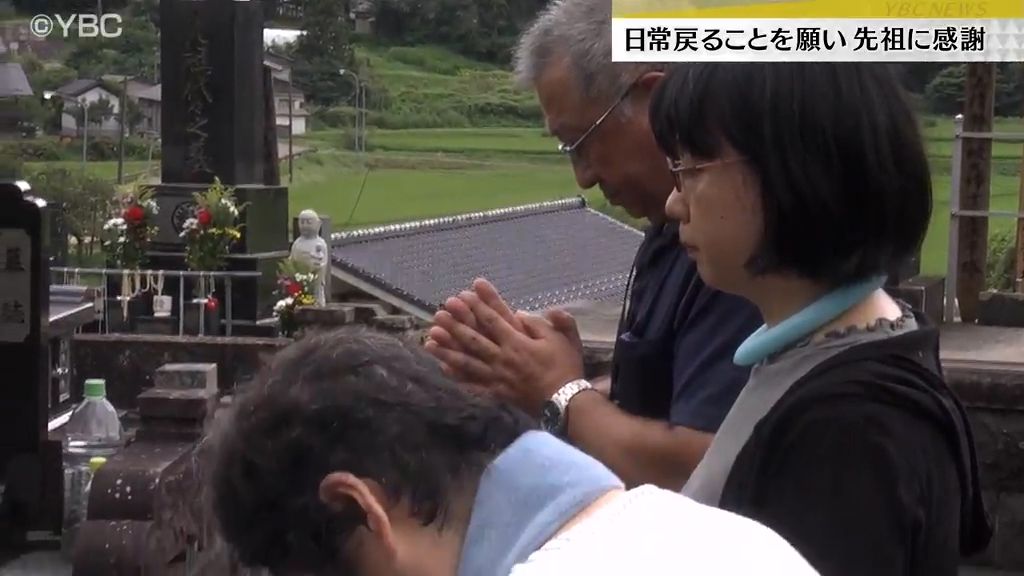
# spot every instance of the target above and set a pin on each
(844, 176)
(353, 400)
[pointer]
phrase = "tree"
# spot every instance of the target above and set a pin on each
(51, 78)
(945, 93)
(133, 53)
(482, 29)
(915, 76)
(32, 115)
(322, 49)
(133, 115)
(86, 201)
(1009, 101)
(100, 111)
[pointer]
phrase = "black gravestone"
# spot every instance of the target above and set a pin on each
(28, 461)
(215, 123)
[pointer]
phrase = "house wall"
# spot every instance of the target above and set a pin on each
(298, 114)
(109, 126)
(298, 125)
(151, 115)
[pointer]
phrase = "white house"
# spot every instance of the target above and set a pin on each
(281, 70)
(86, 92)
(363, 15)
(149, 99)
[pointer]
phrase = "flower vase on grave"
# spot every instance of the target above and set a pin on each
(203, 313)
(125, 238)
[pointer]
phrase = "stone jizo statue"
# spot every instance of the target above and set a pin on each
(310, 248)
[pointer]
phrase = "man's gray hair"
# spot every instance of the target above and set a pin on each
(581, 31)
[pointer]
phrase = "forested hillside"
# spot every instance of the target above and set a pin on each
(422, 56)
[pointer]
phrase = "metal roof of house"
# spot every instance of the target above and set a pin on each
(135, 87)
(152, 93)
(13, 81)
(78, 87)
(537, 255)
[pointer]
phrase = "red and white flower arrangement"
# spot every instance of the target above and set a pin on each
(127, 235)
(212, 229)
(296, 283)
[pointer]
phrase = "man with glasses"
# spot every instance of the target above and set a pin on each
(673, 379)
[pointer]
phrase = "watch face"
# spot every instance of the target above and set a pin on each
(550, 417)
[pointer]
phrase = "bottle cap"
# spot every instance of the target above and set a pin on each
(95, 388)
(95, 462)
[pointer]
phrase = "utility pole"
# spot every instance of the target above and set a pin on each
(360, 102)
(1018, 269)
(85, 130)
(120, 146)
(975, 180)
(362, 116)
(291, 105)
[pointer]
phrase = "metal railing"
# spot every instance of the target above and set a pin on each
(154, 280)
(955, 212)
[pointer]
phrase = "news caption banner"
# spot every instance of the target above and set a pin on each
(817, 31)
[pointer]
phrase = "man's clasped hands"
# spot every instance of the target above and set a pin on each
(521, 357)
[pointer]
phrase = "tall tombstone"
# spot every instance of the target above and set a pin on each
(213, 113)
(25, 453)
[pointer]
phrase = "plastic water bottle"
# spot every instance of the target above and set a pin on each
(92, 434)
(77, 483)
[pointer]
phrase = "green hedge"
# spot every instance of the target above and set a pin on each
(97, 149)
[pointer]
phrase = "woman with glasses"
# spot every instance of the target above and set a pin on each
(798, 186)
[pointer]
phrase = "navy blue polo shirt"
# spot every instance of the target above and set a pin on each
(673, 355)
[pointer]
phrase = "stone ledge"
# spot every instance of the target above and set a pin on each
(129, 361)
(396, 323)
(981, 384)
(331, 315)
(187, 375)
(176, 404)
(220, 341)
(1001, 309)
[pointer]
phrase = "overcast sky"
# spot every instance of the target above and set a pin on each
(272, 35)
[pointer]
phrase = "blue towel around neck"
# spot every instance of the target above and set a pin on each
(532, 489)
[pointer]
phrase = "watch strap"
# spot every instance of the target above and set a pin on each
(567, 392)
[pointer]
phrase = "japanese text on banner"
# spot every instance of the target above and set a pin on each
(817, 30)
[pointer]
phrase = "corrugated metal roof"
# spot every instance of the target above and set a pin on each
(538, 255)
(78, 87)
(152, 93)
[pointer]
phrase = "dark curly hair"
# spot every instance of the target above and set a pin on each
(352, 400)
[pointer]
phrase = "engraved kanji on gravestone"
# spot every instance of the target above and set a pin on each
(15, 284)
(12, 263)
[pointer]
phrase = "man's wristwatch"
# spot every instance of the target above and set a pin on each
(553, 415)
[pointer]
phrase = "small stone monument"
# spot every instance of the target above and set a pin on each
(311, 249)
(30, 463)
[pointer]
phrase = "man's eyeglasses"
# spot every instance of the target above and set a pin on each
(570, 149)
